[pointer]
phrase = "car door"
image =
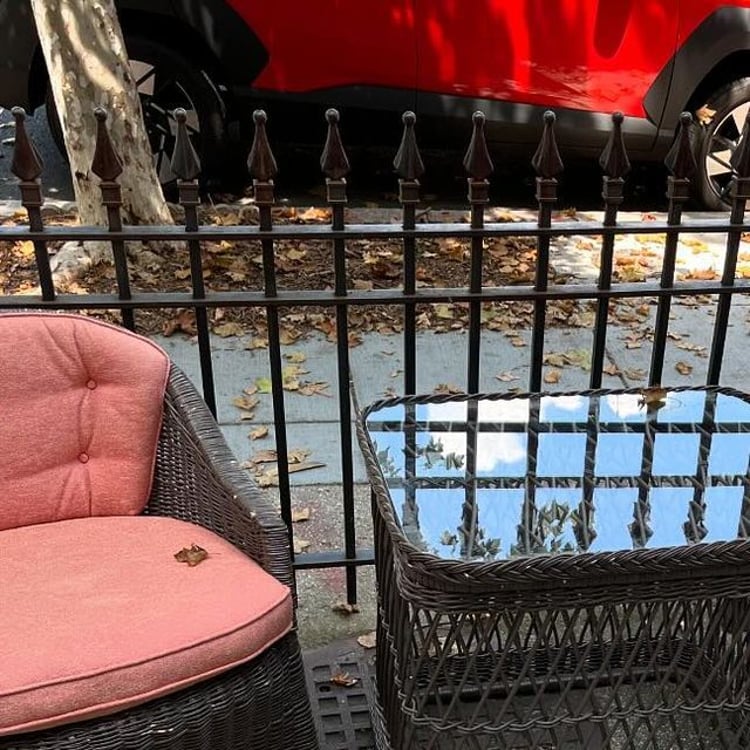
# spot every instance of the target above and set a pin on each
(515, 58)
(329, 44)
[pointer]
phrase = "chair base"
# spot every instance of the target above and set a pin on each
(261, 705)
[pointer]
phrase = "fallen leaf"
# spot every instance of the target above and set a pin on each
(300, 514)
(343, 679)
(368, 640)
(444, 312)
(317, 388)
(345, 608)
(225, 330)
(295, 357)
(655, 396)
(447, 389)
(635, 373)
(305, 466)
(266, 456)
(300, 545)
(245, 402)
(683, 368)
(257, 343)
(192, 555)
(705, 114)
(611, 369)
(297, 455)
(259, 433)
(517, 341)
(506, 376)
(263, 385)
(184, 321)
(552, 376)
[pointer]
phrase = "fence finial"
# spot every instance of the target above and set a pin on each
(408, 162)
(261, 162)
(27, 164)
(477, 161)
(334, 162)
(106, 164)
(185, 161)
(547, 161)
(740, 159)
(614, 159)
(680, 160)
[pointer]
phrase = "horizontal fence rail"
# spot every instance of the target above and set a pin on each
(342, 297)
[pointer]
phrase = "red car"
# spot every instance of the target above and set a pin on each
(512, 59)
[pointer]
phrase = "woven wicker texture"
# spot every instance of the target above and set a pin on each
(260, 705)
(629, 648)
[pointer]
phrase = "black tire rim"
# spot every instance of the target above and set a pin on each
(722, 143)
(160, 94)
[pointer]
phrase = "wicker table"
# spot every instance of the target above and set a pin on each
(562, 571)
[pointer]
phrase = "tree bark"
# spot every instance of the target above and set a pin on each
(88, 67)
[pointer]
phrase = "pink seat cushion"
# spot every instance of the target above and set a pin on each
(81, 412)
(97, 616)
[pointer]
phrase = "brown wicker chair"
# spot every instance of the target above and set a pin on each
(262, 704)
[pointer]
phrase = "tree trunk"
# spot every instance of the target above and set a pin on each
(88, 67)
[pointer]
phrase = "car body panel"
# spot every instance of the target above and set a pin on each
(592, 55)
(329, 44)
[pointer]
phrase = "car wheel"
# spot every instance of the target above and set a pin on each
(166, 81)
(720, 122)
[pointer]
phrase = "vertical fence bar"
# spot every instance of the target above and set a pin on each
(335, 165)
(479, 167)
(740, 192)
(548, 165)
(108, 167)
(27, 166)
(262, 166)
(615, 164)
(187, 167)
(409, 167)
(681, 163)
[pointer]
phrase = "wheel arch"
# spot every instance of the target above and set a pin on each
(715, 54)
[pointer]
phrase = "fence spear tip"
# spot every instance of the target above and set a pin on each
(261, 161)
(408, 162)
(680, 160)
(27, 164)
(185, 162)
(614, 159)
(547, 161)
(334, 162)
(106, 164)
(477, 161)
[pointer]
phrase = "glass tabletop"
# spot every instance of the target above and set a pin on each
(490, 478)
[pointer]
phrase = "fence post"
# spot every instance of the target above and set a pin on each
(263, 169)
(27, 166)
(615, 165)
(547, 164)
(187, 167)
(107, 166)
(740, 192)
(334, 164)
(681, 163)
(479, 167)
(409, 167)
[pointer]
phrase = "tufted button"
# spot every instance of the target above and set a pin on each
(83, 458)
(91, 385)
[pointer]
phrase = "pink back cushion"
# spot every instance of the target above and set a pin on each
(80, 412)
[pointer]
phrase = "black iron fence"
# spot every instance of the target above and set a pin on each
(344, 297)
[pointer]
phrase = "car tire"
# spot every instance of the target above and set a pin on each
(166, 81)
(719, 127)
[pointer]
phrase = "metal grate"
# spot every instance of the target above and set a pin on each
(342, 714)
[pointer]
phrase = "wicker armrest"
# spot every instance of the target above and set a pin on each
(197, 479)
